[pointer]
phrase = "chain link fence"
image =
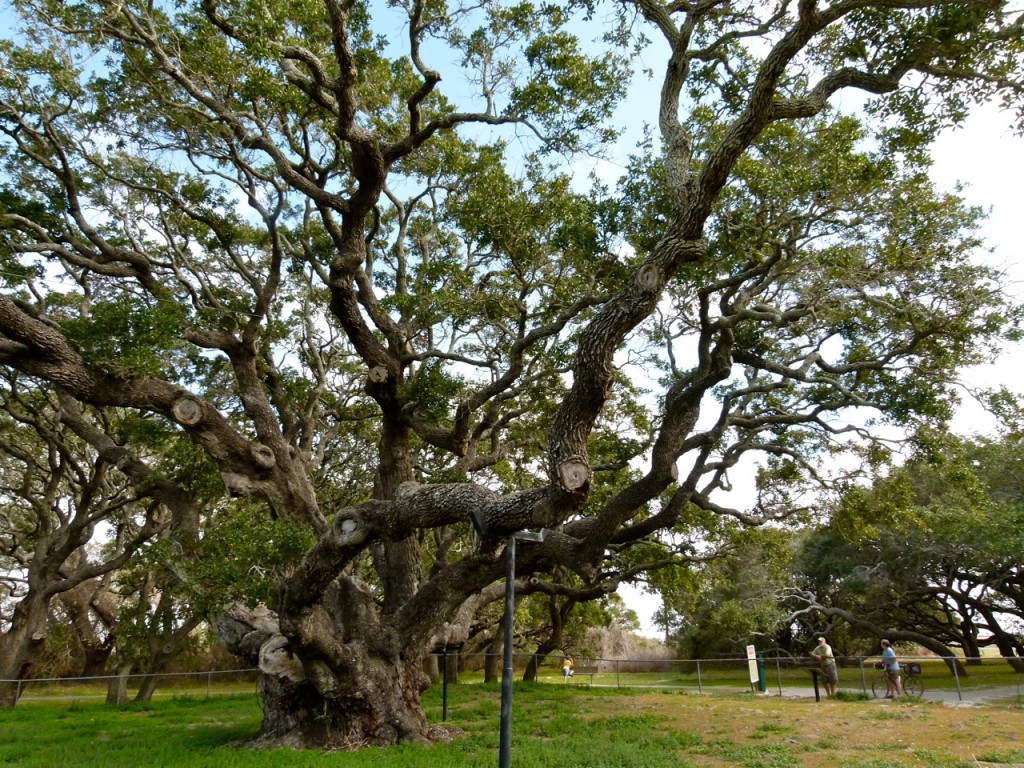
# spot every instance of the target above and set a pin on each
(988, 680)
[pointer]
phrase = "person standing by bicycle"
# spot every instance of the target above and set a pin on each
(823, 655)
(893, 681)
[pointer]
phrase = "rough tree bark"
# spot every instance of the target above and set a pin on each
(21, 645)
(378, 703)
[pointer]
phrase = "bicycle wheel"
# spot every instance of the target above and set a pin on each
(878, 687)
(913, 687)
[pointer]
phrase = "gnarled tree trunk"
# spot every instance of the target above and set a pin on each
(117, 685)
(372, 698)
(21, 645)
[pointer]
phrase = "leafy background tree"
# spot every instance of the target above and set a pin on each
(929, 550)
(55, 491)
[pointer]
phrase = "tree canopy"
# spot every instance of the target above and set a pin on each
(337, 262)
(928, 551)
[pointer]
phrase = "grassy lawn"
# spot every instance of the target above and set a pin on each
(553, 725)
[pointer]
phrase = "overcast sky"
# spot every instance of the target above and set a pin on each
(989, 159)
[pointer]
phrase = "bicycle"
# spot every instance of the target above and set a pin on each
(913, 686)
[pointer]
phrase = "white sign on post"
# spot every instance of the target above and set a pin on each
(752, 663)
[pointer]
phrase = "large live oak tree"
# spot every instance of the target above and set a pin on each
(332, 244)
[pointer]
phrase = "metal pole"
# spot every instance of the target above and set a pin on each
(505, 740)
(444, 687)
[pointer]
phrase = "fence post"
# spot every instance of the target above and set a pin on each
(444, 685)
(700, 688)
(956, 679)
(17, 693)
(209, 675)
(617, 683)
(863, 677)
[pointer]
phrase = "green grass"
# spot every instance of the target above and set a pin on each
(1013, 757)
(174, 732)
(202, 732)
(559, 725)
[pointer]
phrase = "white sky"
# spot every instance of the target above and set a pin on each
(989, 159)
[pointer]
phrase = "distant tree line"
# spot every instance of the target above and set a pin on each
(928, 553)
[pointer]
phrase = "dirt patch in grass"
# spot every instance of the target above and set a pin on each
(834, 733)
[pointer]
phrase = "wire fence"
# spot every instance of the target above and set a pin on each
(120, 689)
(953, 680)
(989, 680)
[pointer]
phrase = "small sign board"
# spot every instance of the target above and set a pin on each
(752, 664)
